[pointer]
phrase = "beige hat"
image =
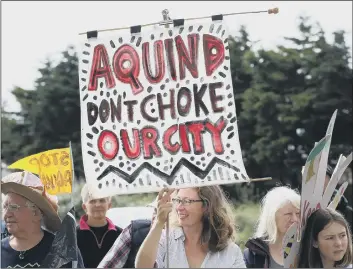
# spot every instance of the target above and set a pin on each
(30, 186)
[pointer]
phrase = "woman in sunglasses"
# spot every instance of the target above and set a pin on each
(201, 234)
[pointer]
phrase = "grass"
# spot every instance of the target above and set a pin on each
(246, 214)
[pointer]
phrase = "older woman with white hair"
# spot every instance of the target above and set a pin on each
(279, 210)
(26, 207)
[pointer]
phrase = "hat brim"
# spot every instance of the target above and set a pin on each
(51, 219)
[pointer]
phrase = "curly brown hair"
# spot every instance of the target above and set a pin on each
(218, 220)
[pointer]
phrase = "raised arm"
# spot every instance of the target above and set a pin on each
(147, 254)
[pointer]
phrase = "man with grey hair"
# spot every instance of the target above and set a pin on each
(96, 233)
(31, 218)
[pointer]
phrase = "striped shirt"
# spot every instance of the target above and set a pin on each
(119, 252)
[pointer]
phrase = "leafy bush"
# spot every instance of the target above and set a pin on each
(246, 216)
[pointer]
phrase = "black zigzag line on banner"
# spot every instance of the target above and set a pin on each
(167, 178)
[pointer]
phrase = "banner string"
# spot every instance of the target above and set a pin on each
(269, 11)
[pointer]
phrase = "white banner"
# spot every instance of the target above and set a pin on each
(157, 109)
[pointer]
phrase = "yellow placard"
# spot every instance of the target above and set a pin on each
(54, 168)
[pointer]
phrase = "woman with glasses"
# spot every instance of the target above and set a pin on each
(201, 233)
(279, 210)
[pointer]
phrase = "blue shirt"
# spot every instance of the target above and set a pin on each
(31, 258)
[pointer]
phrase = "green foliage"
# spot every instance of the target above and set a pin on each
(288, 101)
(246, 216)
(50, 114)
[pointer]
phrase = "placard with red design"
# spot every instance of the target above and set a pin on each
(157, 109)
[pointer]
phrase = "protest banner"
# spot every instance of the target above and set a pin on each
(313, 192)
(158, 109)
(54, 168)
(291, 247)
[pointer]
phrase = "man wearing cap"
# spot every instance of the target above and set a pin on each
(124, 251)
(96, 233)
(31, 218)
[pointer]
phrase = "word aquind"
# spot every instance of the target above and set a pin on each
(179, 102)
(148, 142)
(126, 63)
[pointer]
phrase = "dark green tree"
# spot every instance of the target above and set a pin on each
(50, 114)
(240, 46)
(293, 93)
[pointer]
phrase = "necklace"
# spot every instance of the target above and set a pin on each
(22, 255)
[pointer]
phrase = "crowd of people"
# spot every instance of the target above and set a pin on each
(190, 228)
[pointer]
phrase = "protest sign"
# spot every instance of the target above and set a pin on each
(338, 196)
(158, 109)
(54, 168)
(309, 199)
(291, 247)
(313, 192)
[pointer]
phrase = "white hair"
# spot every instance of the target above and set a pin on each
(36, 210)
(33, 207)
(87, 196)
(274, 200)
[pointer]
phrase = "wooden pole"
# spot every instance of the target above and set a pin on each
(166, 20)
(269, 11)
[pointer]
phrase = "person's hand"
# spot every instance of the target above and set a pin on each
(164, 205)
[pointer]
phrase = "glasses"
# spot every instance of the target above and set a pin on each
(12, 207)
(184, 202)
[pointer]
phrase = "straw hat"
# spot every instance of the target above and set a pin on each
(29, 186)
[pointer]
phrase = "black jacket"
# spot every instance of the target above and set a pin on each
(257, 253)
(92, 249)
(139, 231)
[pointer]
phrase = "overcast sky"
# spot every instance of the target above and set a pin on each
(33, 31)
